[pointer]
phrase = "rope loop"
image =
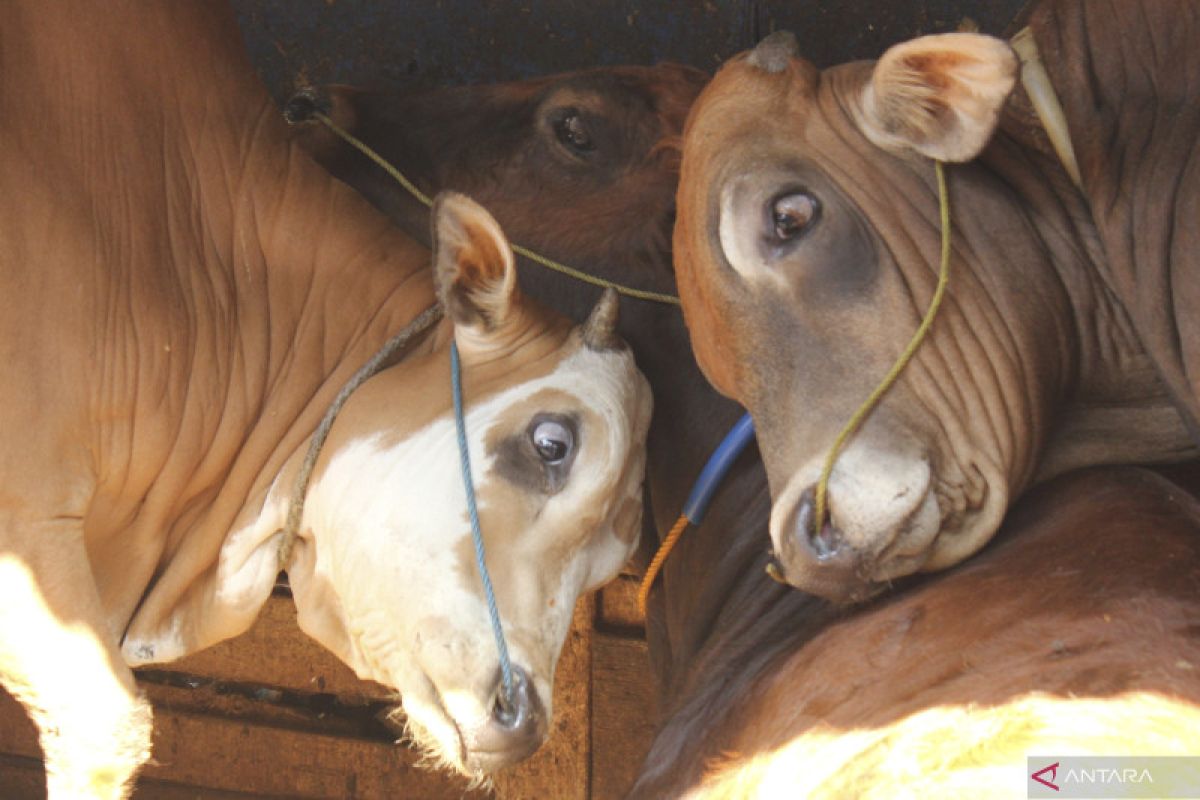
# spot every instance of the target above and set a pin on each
(549, 263)
(421, 323)
(464, 460)
(821, 499)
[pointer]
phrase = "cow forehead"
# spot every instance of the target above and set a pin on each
(603, 389)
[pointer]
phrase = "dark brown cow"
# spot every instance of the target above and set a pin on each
(185, 292)
(807, 249)
(1075, 633)
(583, 163)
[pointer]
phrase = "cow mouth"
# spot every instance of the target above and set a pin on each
(430, 727)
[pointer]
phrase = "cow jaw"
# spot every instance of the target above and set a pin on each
(384, 574)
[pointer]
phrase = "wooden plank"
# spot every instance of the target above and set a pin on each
(617, 606)
(275, 652)
(624, 713)
(22, 778)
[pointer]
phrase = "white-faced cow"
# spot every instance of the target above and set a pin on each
(185, 292)
(807, 250)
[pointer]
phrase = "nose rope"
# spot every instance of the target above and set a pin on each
(869, 404)
(464, 458)
(549, 263)
(291, 527)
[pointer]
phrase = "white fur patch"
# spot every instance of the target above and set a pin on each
(389, 522)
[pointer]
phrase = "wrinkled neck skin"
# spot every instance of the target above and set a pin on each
(214, 346)
(1115, 407)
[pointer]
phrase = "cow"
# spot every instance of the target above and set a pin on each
(1073, 633)
(581, 164)
(807, 250)
(186, 293)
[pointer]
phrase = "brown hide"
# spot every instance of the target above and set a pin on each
(1088, 600)
(1128, 77)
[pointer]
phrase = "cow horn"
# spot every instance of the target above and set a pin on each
(775, 52)
(600, 329)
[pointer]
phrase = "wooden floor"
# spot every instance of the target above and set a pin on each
(272, 715)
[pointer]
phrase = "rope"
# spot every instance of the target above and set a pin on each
(656, 563)
(869, 405)
(460, 427)
(703, 491)
(421, 323)
(549, 263)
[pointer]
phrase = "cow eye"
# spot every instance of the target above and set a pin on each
(792, 214)
(572, 132)
(552, 439)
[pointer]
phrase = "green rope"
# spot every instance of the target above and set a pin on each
(869, 405)
(362, 147)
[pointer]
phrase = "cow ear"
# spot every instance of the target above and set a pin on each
(474, 270)
(938, 95)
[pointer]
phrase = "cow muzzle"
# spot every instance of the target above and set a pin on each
(821, 561)
(511, 733)
(893, 527)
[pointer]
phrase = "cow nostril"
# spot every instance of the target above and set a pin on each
(522, 711)
(822, 541)
(302, 106)
(825, 542)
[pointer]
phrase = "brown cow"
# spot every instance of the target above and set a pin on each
(186, 292)
(1073, 634)
(579, 164)
(807, 248)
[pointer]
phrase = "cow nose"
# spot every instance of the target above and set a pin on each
(818, 559)
(515, 730)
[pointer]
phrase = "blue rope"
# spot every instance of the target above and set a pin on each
(476, 532)
(740, 435)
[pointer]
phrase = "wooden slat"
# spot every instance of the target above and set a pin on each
(275, 652)
(624, 713)
(617, 606)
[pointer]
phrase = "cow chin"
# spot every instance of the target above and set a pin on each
(887, 519)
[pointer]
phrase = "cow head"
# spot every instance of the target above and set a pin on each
(580, 166)
(807, 250)
(384, 572)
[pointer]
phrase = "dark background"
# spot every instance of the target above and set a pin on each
(401, 43)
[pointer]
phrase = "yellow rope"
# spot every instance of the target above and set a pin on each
(901, 362)
(656, 563)
(353, 141)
